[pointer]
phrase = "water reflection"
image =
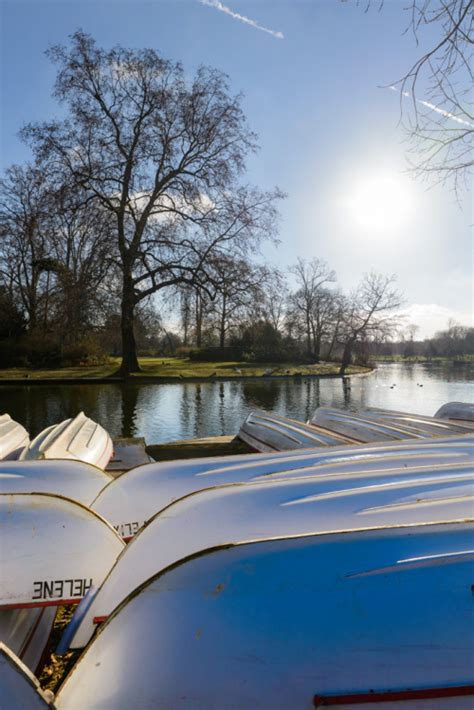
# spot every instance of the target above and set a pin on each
(130, 399)
(188, 410)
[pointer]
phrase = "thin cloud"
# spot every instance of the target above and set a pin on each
(241, 18)
(435, 108)
(433, 317)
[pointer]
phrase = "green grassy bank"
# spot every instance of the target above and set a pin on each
(181, 368)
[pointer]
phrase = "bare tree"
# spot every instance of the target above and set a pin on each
(337, 322)
(441, 120)
(274, 297)
(308, 301)
(25, 207)
(369, 313)
(239, 287)
(412, 330)
(162, 157)
(83, 262)
(56, 253)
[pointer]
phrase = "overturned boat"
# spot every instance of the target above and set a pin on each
(133, 498)
(19, 689)
(267, 432)
(53, 550)
(27, 632)
(79, 438)
(329, 502)
(72, 479)
(13, 438)
(294, 620)
(372, 425)
(457, 411)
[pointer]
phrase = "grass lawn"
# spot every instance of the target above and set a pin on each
(182, 368)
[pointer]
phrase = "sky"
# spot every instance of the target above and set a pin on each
(314, 75)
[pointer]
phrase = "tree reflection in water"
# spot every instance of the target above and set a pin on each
(168, 412)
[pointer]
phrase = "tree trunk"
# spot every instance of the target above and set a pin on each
(308, 337)
(317, 349)
(222, 324)
(198, 319)
(129, 349)
(346, 357)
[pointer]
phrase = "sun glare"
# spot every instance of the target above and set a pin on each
(380, 204)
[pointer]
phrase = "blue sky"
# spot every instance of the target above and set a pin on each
(329, 134)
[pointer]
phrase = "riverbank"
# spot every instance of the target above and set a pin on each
(423, 359)
(169, 370)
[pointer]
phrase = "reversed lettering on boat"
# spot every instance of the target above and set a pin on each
(61, 588)
(127, 530)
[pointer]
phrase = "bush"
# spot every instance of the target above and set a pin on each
(41, 350)
(184, 351)
(38, 351)
(85, 352)
(264, 343)
(11, 354)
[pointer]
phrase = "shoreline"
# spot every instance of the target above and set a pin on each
(177, 379)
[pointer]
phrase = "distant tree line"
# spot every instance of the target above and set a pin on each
(455, 342)
(136, 197)
(256, 315)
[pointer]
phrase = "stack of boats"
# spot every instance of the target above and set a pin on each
(335, 570)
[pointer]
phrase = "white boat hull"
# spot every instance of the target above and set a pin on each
(73, 479)
(80, 438)
(27, 632)
(133, 498)
(53, 550)
(374, 425)
(267, 433)
(457, 411)
(13, 438)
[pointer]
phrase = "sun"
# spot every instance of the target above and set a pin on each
(380, 204)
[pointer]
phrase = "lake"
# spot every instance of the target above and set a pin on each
(167, 412)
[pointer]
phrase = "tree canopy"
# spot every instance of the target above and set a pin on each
(163, 156)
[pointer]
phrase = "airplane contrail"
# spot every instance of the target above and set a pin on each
(246, 20)
(435, 108)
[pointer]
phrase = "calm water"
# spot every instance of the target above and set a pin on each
(181, 411)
